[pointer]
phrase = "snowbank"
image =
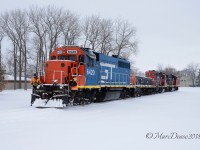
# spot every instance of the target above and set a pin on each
(11, 77)
(123, 124)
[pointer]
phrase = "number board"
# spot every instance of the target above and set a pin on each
(72, 52)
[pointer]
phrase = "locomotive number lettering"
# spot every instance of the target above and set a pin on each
(72, 52)
(90, 72)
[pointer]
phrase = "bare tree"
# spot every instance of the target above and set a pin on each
(171, 70)
(125, 39)
(1, 38)
(7, 26)
(193, 69)
(25, 52)
(2, 71)
(16, 27)
(70, 28)
(103, 35)
(21, 26)
(160, 68)
(184, 73)
(38, 27)
(53, 19)
(106, 36)
(91, 32)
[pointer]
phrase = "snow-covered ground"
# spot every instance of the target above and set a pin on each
(117, 125)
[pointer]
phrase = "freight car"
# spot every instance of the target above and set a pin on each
(98, 78)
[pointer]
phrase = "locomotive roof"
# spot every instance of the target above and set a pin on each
(88, 50)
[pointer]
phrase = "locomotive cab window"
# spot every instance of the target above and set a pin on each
(62, 57)
(72, 57)
(81, 58)
(53, 57)
(122, 64)
(90, 62)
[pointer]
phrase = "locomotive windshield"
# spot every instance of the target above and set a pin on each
(62, 57)
(53, 57)
(72, 58)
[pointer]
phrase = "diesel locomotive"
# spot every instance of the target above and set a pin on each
(98, 78)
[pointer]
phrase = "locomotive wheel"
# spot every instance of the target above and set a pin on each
(137, 93)
(80, 98)
(123, 94)
(65, 100)
(100, 96)
(170, 89)
(157, 89)
(132, 93)
(160, 90)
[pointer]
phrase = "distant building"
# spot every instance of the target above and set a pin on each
(186, 81)
(9, 79)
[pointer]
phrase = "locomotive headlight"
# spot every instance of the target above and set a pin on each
(55, 81)
(38, 86)
(61, 87)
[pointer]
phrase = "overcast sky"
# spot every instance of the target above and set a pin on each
(168, 30)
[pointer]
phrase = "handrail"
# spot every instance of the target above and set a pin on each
(61, 73)
(42, 73)
(76, 71)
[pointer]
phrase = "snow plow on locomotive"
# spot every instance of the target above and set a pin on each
(79, 75)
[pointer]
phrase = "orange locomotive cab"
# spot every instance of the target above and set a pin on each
(65, 63)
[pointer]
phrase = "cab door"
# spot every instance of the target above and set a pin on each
(92, 73)
(81, 70)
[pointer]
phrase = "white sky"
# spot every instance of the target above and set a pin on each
(168, 30)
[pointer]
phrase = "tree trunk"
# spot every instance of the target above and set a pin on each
(15, 65)
(20, 67)
(0, 55)
(25, 68)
